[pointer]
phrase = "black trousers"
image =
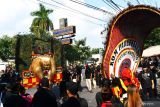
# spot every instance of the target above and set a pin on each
(145, 96)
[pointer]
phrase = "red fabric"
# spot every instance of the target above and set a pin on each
(113, 91)
(29, 80)
(106, 104)
(126, 73)
(135, 81)
(128, 78)
(28, 98)
(126, 82)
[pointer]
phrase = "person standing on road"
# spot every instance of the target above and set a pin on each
(144, 78)
(79, 72)
(153, 77)
(98, 77)
(83, 73)
(44, 97)
(93, 70)
(88, 77)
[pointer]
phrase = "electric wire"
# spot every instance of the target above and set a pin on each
(91, 6)
(111, 1)
(117, 6)
(108, 1)
(77, 11)
(120, 6)
(138, 2)
(68, 13)
(74, 10)
(110, 5)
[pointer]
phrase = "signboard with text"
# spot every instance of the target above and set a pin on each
(66, 41)
(64, 31)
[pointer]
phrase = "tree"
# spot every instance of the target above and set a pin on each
(77, 52)
(95, 51)
(6, 47)
(41, 23)
(153, 38)
(70, 53)
(40, 27)
(82, 49)
(23, 49)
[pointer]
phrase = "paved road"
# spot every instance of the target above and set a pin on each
(90, 97)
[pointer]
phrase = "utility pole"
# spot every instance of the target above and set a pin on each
(62, 55)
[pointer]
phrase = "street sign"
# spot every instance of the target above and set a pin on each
(64, 31)
(66, 41)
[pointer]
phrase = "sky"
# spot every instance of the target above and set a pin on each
(15, 17)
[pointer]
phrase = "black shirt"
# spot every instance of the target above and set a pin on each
(88, 73)
(83, 102)
(44, 98)
(71, 102)
(14, 100)
(144, 79)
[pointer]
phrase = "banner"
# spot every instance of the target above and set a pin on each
(125, 38)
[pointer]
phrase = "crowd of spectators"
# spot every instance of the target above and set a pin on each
(65, 93)
(149, 77)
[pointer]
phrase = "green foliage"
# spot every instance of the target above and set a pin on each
(41, 46)
(6, 47)
(96, 50)
(153, 38)
(25, 51)
(82, 49)
(57, 51)
(71, 53)
(77, 52)
(41, 23)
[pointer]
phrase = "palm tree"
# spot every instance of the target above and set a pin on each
(41, 23)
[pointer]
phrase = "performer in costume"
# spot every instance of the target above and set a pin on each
(129, 78)
(118, 86)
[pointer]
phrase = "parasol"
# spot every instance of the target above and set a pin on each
(151, 51)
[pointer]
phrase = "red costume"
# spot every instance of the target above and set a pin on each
(129, 78)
